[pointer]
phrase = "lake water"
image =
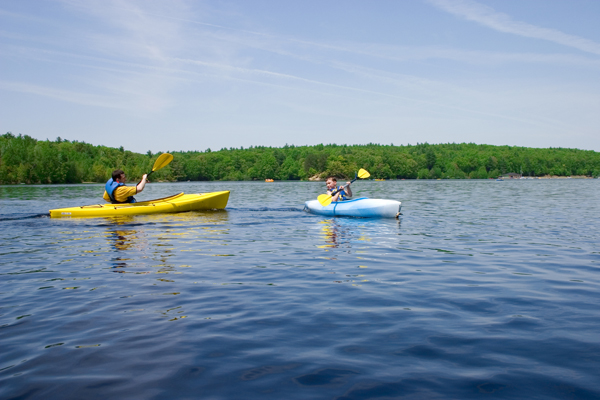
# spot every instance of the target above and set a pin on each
(483, 289)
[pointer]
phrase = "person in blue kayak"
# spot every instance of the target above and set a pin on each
(116, 191)
(343, 191)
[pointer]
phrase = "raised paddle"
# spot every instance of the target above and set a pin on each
(162, 161)
(325, 199)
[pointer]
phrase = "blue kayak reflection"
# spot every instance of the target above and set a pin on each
(348, 233)
(335, 235)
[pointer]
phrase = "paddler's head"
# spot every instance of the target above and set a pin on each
(118, 176)
(331, 183)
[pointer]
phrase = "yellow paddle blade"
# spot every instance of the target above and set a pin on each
(162, 161)
(362, 173)
(324, 199)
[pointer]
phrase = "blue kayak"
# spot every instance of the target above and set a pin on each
(363, 207)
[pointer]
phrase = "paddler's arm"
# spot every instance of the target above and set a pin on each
(347, 189)
(140, 186)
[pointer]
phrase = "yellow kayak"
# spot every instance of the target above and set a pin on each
(173, 204)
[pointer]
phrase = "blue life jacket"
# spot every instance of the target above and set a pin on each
(342, 194)
(110, 188)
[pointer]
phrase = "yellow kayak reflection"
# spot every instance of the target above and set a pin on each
(155, 236)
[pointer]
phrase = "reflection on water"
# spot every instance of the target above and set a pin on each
(331, 232)
(342, 232)
(347, 233)
(123, 239)
(156, 238)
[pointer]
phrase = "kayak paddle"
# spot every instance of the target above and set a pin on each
(325, 199)
(162, 161)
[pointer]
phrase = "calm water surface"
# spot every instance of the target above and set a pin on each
(483, 289)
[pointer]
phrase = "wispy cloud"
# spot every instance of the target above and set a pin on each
(133, 29)
(491, 18)
(64, 95)
(143, 67)
(322, 52)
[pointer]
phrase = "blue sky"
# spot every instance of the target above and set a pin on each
(192, 75)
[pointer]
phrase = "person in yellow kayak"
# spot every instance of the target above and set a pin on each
(343, 191)
(115, 190)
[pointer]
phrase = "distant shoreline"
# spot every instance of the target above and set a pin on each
(553, 177)
(27, 160)
(258, 181)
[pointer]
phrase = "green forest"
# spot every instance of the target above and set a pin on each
(26, 160)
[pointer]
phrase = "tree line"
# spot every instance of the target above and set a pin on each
(26, 160)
